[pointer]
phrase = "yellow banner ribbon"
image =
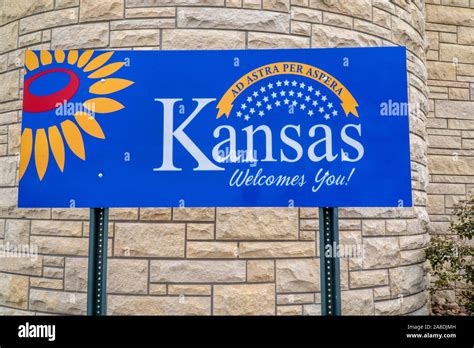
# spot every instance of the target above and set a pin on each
(348, 103)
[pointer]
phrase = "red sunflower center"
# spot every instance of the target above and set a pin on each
(42, 103)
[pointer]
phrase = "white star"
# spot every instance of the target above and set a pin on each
(277, 103)
(326, 116)
(283, 93)
(315, 102)
(249, 99)
(274, 95)
(259, 103)
(302, 106)
(334, 113)
(247, 117)
(255, 94)
(321, 110)
(262, 89)
(294, 103)
(243, 106)
(261, 113)
(294, 83)
(324, 98)
(299, 94)
(270, 85)
(265, 99)
(239, 114)
(329, 105)
(310, 88)
(317, 93)
(286, 82)
(310, 113)
(307, 98)
(286, 101)
(252, 111)
(278, 83)
(302, 85)
(291, 93)
(269, 107)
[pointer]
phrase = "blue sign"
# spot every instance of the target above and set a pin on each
(240, 128)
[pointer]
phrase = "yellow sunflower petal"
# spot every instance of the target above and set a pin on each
(72, 57)
(41, 152)
(57, 146)
(97, 62)
(74, 138)
(25, 150)
(59, 56)
(109, 86)
(103, 105)
(84, 58)
(31, 60)
(89, 124)
(46, 57)
(106, 70)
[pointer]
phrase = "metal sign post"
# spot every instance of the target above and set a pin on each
(329, 261)
(97, 272)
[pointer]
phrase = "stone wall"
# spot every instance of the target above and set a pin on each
(218, 261)
(450, 123)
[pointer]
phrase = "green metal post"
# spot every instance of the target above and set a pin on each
(329, 261)
(97, 272)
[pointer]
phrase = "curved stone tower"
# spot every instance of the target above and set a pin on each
(211, 261)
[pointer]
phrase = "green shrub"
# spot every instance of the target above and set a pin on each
(451, 256)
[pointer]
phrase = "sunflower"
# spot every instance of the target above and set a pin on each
(39, 141)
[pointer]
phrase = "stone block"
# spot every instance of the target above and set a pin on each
(184, 271)
(145, 239)
(254, 224)
(301, 275)
(244, 299)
